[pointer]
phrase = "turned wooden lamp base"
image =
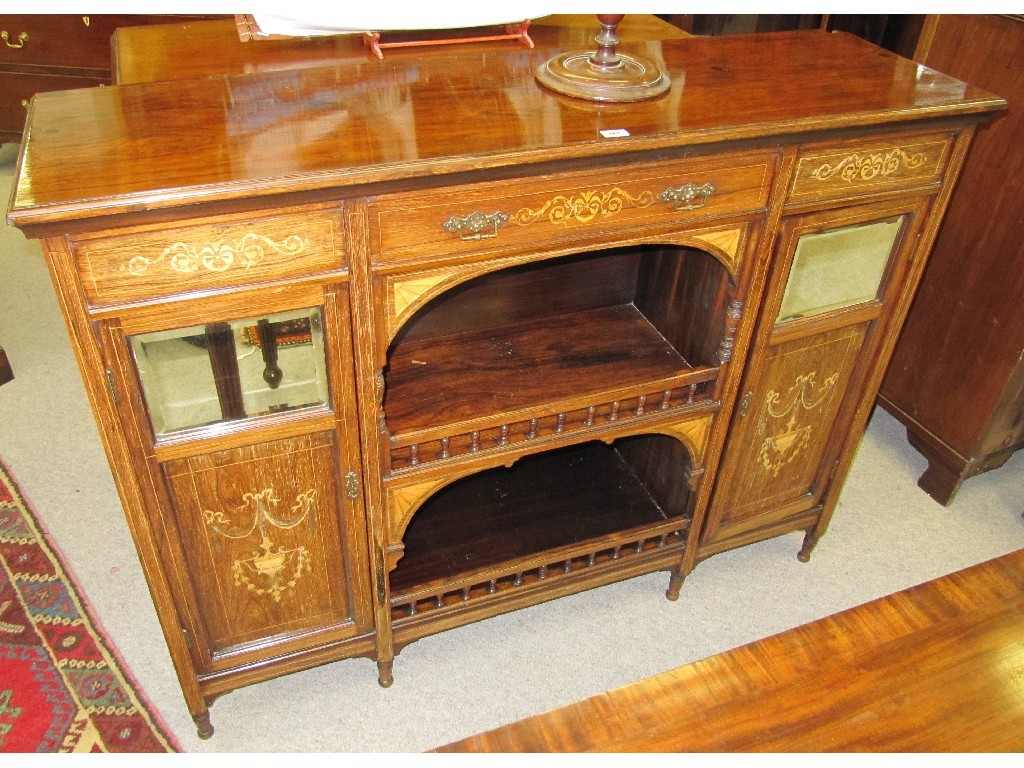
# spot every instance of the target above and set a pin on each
(603, 75)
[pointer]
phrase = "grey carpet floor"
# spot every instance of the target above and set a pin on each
(886, 535)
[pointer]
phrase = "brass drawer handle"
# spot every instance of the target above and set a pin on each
(22, 39)
(475, 226)
(24, 103)
(689, 196)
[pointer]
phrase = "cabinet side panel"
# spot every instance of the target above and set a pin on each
(965, 331)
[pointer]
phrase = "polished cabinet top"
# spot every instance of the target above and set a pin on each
(145, 146)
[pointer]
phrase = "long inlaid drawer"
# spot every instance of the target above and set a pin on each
(565, 207)
(879, 165)
(209, 254)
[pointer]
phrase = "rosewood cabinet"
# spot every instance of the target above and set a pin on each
(365, 371)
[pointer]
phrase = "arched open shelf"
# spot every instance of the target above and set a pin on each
(556, 346)
(574, 514)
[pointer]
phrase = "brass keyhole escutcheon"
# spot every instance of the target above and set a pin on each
(745, 404)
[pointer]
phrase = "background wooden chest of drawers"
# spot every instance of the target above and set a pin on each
(55, 53)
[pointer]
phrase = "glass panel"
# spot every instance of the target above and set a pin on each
(838, 267)
(227, 371)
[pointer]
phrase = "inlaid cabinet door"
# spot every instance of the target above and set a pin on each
(788, 415)
(836, 279)
(267, 544)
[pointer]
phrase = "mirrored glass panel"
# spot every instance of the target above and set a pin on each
(227, 371)
(838, 268)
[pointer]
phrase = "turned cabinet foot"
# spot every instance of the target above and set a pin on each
(804, 555)
(384, 675)
(203, 727)
(675, 584)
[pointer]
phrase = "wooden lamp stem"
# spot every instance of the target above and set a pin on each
(605, 55)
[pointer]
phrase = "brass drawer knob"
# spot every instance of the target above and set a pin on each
(22, 39)
(689, 196)
(476, 225)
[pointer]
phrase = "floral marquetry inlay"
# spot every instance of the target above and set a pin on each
(219, 256)
(864, 167)
(583, 207)
(272, 569)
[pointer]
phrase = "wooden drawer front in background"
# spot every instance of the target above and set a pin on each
(548, 209)
(16, 91)
(857, 169)
(156, 263)
(61, 40)
(261, 538)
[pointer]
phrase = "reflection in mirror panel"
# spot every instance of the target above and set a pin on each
(219, 372)
(838, 268)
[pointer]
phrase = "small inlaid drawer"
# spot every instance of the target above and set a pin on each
(827, 173)
(208, 254)
(565, 208)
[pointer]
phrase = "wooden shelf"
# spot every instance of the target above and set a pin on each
(543, 503)
(468, 379)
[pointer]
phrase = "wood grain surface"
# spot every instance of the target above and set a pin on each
(935, 668)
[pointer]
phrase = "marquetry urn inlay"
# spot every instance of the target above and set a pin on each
(805, 395)
(271, 569)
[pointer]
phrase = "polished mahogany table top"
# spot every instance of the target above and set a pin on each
(361, 121)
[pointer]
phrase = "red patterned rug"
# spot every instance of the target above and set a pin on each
(62, 686)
